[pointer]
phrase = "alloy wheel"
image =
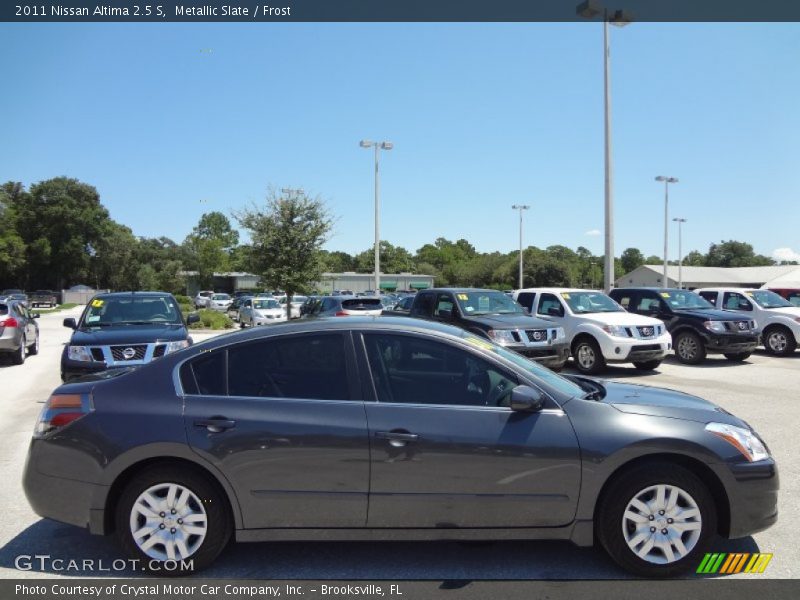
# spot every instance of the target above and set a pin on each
(662, 524)
(168, 522)
(586, 356)
(777, 341)
(687, 347)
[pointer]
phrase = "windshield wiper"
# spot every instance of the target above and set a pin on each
(90, 325)
(144, 323)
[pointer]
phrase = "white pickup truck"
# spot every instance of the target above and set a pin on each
(777, 318)
(598, 329)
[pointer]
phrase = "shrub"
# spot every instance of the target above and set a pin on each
(183, 299)
(211, 319)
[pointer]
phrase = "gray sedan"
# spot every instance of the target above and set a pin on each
(19, 333)
(366, 428)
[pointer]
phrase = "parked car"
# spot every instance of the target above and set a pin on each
(297, 302)
(778, 319)
(790, 294)
(367, 428)
(347, 306)
(19, 332)
(201, 299)
(308, 305)
(403, 306)
(219, 302)
(124, 329)
(697, 327)
(495, 316)
(261, 311)
(235, 306)
(599, 330)
(43, 298)
(15, 294)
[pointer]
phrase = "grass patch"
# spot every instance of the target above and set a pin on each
(211, 319)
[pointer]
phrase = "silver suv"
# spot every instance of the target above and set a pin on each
(19, 332)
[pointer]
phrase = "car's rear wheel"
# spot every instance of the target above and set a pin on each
(588, 357)
(738, 356)
(18, 357)
(779, 341)
(647, 365)
(656, 520)
(689, 348)
(167, 514)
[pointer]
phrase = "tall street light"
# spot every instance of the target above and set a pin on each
(589, 10)
(520, 208)
(378, 147)
(667, 181)
(680, 222)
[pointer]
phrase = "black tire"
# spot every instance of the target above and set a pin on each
(614, 502)
(587, 356)
(33, 349)
(18, 357)
(738, 356)
(689, 348)
(647, 365)
(779, 341)
(218, 517)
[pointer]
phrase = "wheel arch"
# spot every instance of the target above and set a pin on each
(580, 336)
(696, 467)
(122, 479)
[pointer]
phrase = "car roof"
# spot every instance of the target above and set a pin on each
(460, 290)
(556, 290)
(134, 295)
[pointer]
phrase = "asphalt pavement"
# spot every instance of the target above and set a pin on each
(765, 391)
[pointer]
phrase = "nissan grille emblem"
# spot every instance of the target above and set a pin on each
(742, 325)
(537, 335)
(647, 331)
(128, 353)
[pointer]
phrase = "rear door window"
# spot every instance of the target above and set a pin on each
(709, 296)
(526, 299)
(734, 301)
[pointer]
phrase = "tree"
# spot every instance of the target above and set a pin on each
(735, 254)
(287, 236)
(631, 259)
(211, 243)
(694, 259)
(12, 248)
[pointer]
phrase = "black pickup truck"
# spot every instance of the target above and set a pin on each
(43, 298)
(697, 327)
(124, 329)
(492, 314)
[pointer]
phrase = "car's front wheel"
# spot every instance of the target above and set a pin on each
(167, 514)
(656, 520)
(33, 349)
(689, 348)
(588, 357)
(19, 355)
(779, 341)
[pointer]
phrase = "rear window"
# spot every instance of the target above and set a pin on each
(363, 304)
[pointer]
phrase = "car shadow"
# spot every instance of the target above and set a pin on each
(448, 561)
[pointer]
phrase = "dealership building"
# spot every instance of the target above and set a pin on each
(774, 277)
(361, 282)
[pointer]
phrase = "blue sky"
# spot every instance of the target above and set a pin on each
(172, 120)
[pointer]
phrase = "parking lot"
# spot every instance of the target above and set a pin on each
(763, 391)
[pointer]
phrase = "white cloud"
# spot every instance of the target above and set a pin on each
(594, 232)
(785, 254)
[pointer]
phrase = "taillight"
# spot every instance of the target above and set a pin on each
(9, 322)
(341, 313)
(60, 410)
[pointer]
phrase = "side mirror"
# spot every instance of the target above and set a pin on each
(192, 318)
(70, 323)
(526, 399)
(554, 311)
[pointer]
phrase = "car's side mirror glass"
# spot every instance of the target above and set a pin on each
(192, 318)
(526, 399)
(70, 322)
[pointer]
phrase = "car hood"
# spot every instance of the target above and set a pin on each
(660, 402)
(127, 334)
(791, 312)
(511, 321)
(713, 314)
(618, 318)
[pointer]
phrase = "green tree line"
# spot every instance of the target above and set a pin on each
(57, 233)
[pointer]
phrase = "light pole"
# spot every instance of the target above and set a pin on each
(588, 10)
(667, 181)
(520, 208)
(378, 146)
(680, 222)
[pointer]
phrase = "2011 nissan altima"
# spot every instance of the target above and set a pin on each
(364, 428)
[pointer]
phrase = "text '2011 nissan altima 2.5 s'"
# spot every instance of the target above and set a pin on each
(367, 427)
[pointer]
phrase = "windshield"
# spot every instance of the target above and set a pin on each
(684, 299)
(590, 302)
(535, 369)
(484, 303)
(767, 299)
(266, 304)
(131, 311)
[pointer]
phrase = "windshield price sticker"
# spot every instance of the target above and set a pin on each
(463, 297)
(565, 295)
(664, 294)
(97, 303)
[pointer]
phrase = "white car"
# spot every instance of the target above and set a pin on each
(261, 311)
(201, 299)
(219, 302)
(599, 330)
(297, 302)
(777, 318)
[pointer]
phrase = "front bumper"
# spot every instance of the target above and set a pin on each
(554, 355)
(731, 344)
(635, 349)
(752, 490)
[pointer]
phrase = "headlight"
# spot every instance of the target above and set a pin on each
(175, 346)
(615, 330)
(715, 326)
(744, 440)
(80, 353)
(502, 336)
